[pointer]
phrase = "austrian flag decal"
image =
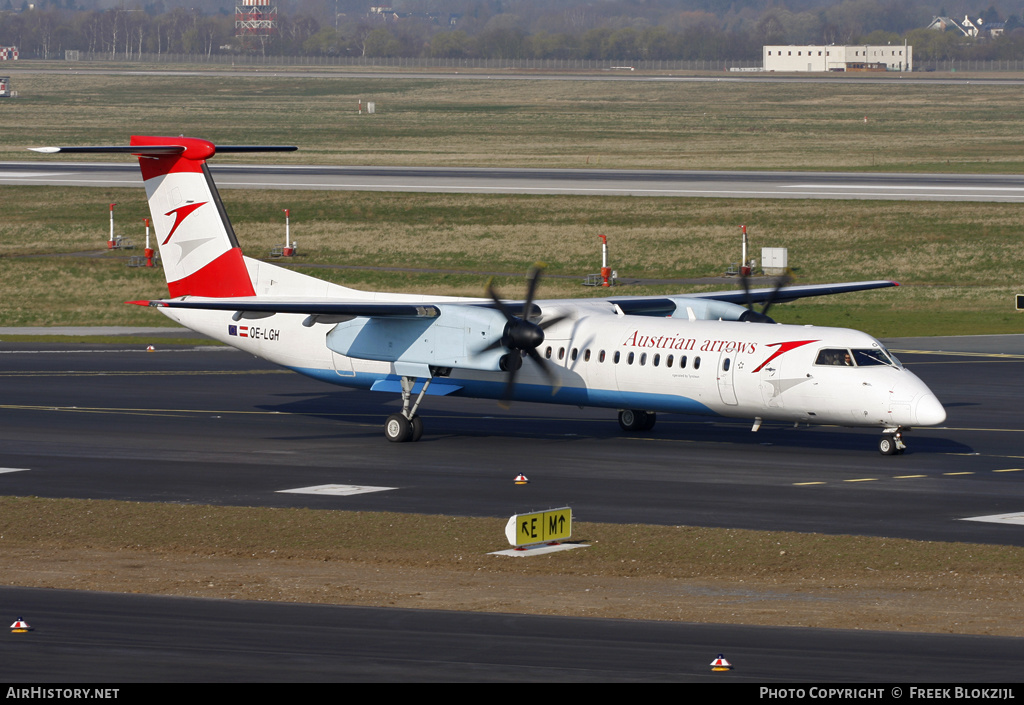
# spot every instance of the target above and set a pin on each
(239, 331)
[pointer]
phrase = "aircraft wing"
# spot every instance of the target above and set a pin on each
(792, 293)
(629, 305)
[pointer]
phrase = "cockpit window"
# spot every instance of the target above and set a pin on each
(834, 356)
(858, 357)
(874, 356)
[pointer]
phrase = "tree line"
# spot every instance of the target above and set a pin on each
(615, 30)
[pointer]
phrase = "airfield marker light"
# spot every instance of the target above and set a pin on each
(149, 250)
(744, 266)
(110, 242)
(605, 269)
(720, 664)
(20, 626)
(521, 479)
(289, 248)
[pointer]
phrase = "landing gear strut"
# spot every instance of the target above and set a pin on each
(407, 426)
(891, 442)
(637, 420)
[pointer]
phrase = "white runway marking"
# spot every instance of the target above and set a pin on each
(1015, 518)
(31, 174)
(340, 490)
(3, 470)
(906, 187)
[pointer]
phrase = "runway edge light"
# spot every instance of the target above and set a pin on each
(20, 626)
(521, 479)
(720, 664)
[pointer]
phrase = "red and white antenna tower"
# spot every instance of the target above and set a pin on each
(255, 18)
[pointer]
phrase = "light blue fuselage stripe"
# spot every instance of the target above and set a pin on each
(578, 396)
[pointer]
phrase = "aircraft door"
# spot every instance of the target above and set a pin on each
(726, 379)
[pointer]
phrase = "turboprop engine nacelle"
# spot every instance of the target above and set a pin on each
(455, 338)
(712, 310)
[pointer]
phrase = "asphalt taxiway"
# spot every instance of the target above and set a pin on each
(213, 425)
(84, 637)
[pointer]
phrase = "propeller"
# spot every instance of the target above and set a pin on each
(522, 336)
(762, 315)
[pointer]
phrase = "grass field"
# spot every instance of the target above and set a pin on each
(952, 258)
(956, 260)
(714, 124)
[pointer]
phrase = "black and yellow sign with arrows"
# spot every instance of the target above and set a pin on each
(539, 527)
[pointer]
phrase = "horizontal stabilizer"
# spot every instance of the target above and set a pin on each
(160, 149)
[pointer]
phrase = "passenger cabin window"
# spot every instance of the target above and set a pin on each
(617, 355)
(725, 365)
(600, 356)
(657, 360)
(629, 359)
(668, 361)
(696, 363)
(586, 355)
(682, 362)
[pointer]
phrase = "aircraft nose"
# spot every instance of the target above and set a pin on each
(929, 411)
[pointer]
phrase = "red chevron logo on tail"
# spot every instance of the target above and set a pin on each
(180, 214)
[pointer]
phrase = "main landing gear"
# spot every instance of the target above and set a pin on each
(407, 426)
(636, 420)
(891, 442)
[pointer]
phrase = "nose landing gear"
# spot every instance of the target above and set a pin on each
(891, 442)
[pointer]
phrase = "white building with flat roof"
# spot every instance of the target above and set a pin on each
(838, 58)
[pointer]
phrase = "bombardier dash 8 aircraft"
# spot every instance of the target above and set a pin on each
(708, 353)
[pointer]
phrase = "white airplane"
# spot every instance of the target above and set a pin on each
(708, 353)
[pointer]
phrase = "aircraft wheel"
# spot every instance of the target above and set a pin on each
(887, 445)
(417, 428)
(652, 418)
(633, 420)
(398, 429)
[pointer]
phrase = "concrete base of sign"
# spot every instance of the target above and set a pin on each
(538, 549)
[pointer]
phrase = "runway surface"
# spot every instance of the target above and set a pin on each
(213, 425)
(597, 182)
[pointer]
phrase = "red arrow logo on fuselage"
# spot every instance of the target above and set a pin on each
(180, 214)
(783, 348)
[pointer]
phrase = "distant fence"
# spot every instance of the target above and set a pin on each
(611, 65)
(616, 65)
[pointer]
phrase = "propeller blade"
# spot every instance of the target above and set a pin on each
(510, 385)
(545, 324)
(779, 284)
(546, 369)
(745, 280)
